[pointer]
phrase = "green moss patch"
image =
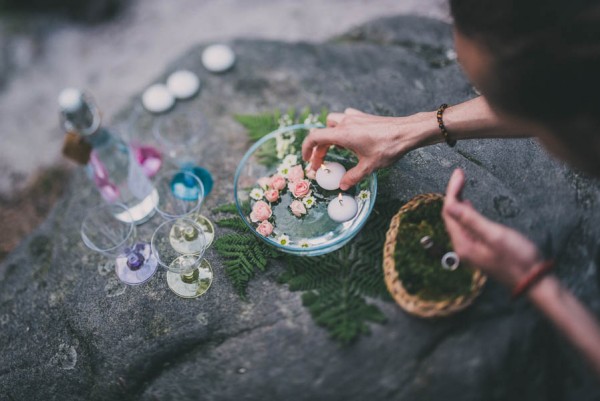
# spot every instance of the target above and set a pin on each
(422, 274)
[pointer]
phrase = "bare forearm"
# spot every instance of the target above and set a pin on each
(570, 317)
(468, 120)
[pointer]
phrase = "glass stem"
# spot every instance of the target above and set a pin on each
(190, 277)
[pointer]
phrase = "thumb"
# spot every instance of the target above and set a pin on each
(354, 175)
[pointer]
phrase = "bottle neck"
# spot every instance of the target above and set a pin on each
(85, 120)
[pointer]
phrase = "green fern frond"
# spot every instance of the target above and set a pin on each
(243, 254)
(343, 313)
(226, 208)
(234, 223)
(258, 125)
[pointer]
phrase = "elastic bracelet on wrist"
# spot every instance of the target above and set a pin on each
(537, 272)
(440, 113)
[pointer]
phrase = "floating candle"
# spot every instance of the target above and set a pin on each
(342, 208)
(329, 175)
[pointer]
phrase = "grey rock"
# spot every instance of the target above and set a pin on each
(70, 331)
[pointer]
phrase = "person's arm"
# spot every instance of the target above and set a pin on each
(474, 119)
(379, 141)
(569, 316)
(509, 257)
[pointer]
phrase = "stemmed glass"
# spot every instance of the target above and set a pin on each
(146, 153)
(102, 232)
(180, 197)
(181, 193)
(179, 246)
(178, 133)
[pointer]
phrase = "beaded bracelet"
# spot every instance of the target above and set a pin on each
(538, 271)
(451, 142)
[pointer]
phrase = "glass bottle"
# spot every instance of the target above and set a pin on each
(110, 163)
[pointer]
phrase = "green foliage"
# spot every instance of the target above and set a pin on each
(420, 272)
(243, 254)
(335, 286)
(259, 125)
(225, 208)
(234, 223)
(343, 312)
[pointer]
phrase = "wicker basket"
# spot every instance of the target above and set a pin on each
(411, 303)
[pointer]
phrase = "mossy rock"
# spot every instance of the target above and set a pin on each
(421, 273)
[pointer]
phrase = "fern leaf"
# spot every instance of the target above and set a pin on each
(226, 208)
(234, 223)
(258, 125)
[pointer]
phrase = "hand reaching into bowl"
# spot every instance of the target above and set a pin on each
(378, 141)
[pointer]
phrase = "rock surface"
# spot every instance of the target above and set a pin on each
(70, 331)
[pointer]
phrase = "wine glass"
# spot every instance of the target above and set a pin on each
(146, 152)
(180, 194)
(179, 133)
(179, 245)
(102, 232)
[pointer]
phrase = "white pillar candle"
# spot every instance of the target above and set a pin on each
(329, 175)
(342, 208)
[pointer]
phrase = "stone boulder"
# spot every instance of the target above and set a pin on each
(70, 331)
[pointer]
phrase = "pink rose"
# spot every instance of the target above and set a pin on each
(299, 189)
(298, 209)
(277, 182)
(260, 212)
(296, 173)
(264, 182)
(272, 195)
(265, 228)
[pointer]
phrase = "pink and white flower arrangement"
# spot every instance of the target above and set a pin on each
(291, 176)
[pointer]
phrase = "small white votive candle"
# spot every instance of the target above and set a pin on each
(218, 58)
(342, 208)
(183, 84)
(329, 175)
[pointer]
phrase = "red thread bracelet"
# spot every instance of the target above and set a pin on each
(538, 271)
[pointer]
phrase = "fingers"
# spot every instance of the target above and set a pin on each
(333, 119)
(318, 155)
(321, 136)
(455, 186)
(354, 175)
(469, 219)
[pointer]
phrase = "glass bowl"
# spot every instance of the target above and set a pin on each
(306, 234)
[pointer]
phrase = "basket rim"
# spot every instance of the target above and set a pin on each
(414, 304)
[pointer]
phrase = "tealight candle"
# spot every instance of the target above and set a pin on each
(183, 84)
(218, 58)
(329, 175)
(342, 208)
